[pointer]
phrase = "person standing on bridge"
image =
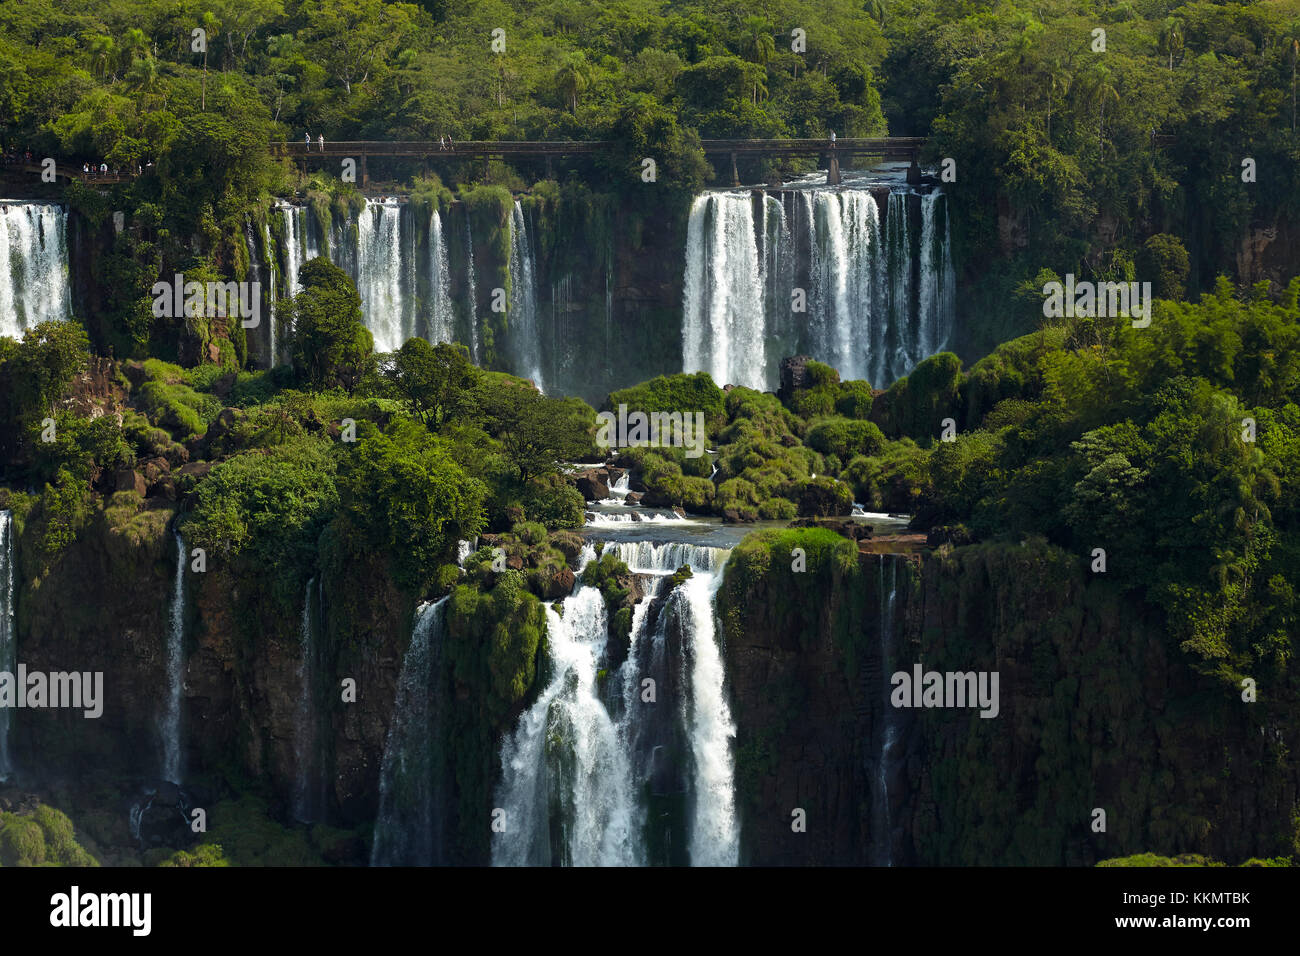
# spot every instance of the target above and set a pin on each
(307, 139)
(832, 137)
(321, 139)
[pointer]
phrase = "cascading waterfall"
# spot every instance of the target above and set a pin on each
(294, 228)
(591, 771)
(406, 829)
(34, 284)
(379, 273)
(723, 317)
(171, 722)
(566, 788)
(889, 732)
(442, 328)
(273, 358)
(255, 266)
(472, 292)
(305, 746)
(8, 637)
(877, 295)
(938, 283)
(525, 329)
(845, 267)
(898, 251)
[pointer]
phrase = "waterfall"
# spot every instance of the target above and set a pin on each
(255, 267)
(171, 722)
(714, 834)
(589, 776)
(305, 740)
(889, 732)
(406, 829)
(379, 273)
(563, 767)
(938, 284)
(293, 239)
(898, 249)
(878, 295)
(843, 274)
(723, 322)
(647, 557)
(525, 331)
(33, 265)
(472, 314)
(442, 328)
(268, 251)
(8, 637)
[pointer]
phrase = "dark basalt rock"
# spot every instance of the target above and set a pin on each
(160, 816)
(794, 375)
(591, 487)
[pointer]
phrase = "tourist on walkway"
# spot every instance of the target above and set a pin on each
(321, 139)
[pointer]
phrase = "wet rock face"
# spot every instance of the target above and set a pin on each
(804, 737)
(793, 375)
(1094, 697)
(161, 816)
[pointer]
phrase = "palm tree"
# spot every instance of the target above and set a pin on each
(211, 26)
(1058, 81)
(134, 44)
(759, 45)
(1102, 92)
(143, 75)
(103, 53)
(573, 77)
(1170, 41)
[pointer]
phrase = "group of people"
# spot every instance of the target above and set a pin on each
(444, 142)
(91, 170)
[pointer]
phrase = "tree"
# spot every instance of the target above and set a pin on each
(435, 379)
(34, 374)
(135, 44)
(404, 492)
(1101, 92)
(759, 45)
(1164, 258)
(328, 342)
(210, 28)
(353, 38)
(1170, 42)
(572, 78)
(535, 431)
(103, 53)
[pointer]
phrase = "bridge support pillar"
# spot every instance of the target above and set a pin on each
(833, 170)
(735, 175)
(914, 172)
(550, 167)
(365, 173)
(487, 169)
